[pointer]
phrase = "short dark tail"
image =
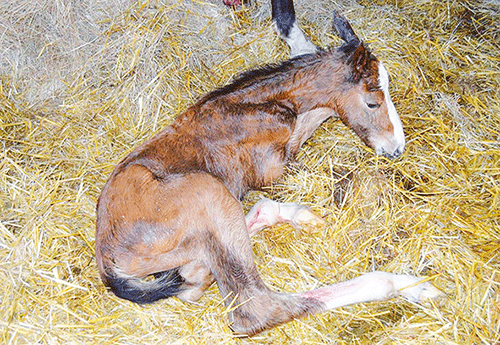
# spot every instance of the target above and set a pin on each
(163, 285)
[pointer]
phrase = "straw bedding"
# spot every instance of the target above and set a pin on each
(82, 83)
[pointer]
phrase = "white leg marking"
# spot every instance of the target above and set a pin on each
(374, 286)
(298, 42)
(267, 213)
(393, 114)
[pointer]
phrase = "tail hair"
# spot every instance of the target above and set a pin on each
(165, 284)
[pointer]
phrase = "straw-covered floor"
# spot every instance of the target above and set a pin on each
(82, 83)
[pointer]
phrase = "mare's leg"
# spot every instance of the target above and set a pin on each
(287, 26)
(289, 30)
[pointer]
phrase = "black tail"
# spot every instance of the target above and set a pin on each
(165, 284)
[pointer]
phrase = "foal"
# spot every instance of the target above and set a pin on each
(171, 212)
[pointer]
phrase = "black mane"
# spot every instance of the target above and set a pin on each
(273, 70)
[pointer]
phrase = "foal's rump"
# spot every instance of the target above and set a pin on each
(150, 227)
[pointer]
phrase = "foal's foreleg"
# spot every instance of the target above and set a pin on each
(266, 213)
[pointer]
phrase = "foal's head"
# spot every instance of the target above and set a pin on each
(365, 104)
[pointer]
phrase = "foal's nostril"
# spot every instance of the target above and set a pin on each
(398, 152)
(395, 154)
(389, 155)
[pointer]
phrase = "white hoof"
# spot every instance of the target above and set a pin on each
(305, 217)
(415, 289)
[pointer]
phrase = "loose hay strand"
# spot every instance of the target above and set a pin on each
(82, 83)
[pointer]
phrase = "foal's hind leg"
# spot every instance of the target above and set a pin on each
(224, 245)
(263, 214)
(197, 279)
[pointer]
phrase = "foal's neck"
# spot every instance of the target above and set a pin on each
(303, 84)
(315, 82)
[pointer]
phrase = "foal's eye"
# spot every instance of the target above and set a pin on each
(372, 105)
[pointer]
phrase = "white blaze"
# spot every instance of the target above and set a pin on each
(399, 136)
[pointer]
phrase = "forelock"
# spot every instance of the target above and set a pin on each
(371, 75)
(383, 77)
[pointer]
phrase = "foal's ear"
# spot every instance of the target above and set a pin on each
(359, 61)
(344, 29)
(358, 56)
